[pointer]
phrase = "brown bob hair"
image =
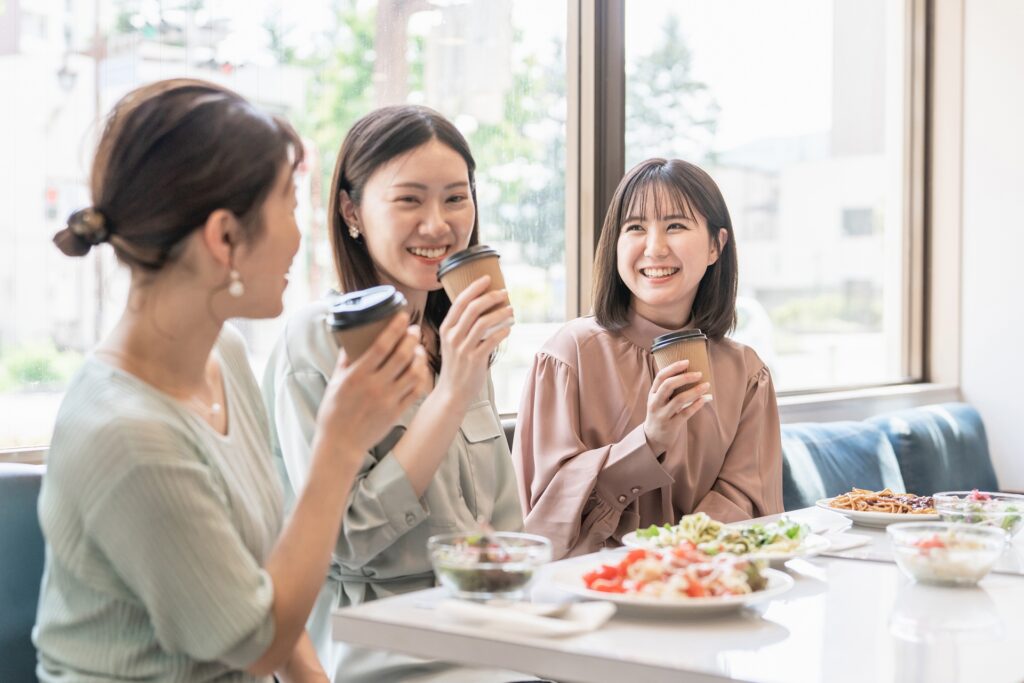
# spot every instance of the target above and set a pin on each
(675, 185)
(172, 153)
(374, 140)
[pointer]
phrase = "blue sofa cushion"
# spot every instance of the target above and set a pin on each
(21, 569)
(940, 448)
(826, 459)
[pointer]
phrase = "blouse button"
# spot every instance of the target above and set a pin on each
(410, 518)
(635, 490)
(622, 499)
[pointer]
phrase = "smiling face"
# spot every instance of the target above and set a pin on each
(415, 210)
(663, 250)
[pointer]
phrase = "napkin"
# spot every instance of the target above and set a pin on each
(840, 542)
(578, 618)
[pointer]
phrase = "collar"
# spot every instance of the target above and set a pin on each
(641, 332)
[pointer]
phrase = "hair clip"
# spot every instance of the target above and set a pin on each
(90, 225)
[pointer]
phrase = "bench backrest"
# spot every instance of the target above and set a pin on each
(21, 568)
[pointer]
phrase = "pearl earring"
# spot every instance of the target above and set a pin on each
(236, 288)
(353, 232)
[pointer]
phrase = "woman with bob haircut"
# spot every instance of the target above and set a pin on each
(403, 198)
(167, 555)
(604, 445)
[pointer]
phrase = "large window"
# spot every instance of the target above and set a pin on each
(798, 108)
(499, 74)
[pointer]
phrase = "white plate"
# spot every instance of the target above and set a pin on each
(813, 544)
(631, 540)
(875, 519)
(570, 579)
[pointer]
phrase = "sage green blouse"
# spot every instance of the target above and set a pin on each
(157, 528)
(382, 549)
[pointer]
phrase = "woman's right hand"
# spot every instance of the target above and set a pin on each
(667, 414)
(469, 335)
(365, 397)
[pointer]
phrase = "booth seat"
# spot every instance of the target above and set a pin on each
(21, 569)
(922, 450)
(940, 448)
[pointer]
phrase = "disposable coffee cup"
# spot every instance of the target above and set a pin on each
(691, 345)
(358, 317)
(463, 268)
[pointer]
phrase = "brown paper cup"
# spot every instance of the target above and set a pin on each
(355, 340)
(694, 350)
(456, 280)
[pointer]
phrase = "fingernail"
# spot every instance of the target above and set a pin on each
(707, 385)
(708, 398)
(414, 329)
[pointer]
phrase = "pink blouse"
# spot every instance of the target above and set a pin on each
(587, 475)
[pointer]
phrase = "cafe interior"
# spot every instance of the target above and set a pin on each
(587, 340)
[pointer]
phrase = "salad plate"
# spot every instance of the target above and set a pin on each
(776, 541)
(571, 579)
(878, 520)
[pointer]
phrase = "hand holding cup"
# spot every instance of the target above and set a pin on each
(676, 395)
(478, 321)
(366, 396)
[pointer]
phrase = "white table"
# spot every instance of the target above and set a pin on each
(844, 620)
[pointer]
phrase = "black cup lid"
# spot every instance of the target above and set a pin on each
(365, 306)
(464, 256)
(670, 338)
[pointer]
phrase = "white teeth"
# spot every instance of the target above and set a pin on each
(428, 253)
(659, 272)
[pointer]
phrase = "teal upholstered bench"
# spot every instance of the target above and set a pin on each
(820, 460)
(940, 448)
(21, 569)
(921, 450)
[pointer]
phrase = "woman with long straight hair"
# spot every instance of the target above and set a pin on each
(167, 555)
(403, 198)
(605, 443)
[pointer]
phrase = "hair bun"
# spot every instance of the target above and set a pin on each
(86, 228)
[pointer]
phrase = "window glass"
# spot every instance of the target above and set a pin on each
(796, 109)
(489, 65)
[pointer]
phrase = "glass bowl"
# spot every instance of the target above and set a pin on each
(944, 553)
(1003, 510)
(477, 566)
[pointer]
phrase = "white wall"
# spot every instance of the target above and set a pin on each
(993, 219)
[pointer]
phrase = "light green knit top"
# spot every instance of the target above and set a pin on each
(156, 531)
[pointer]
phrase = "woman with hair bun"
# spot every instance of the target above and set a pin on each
(167, 556)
